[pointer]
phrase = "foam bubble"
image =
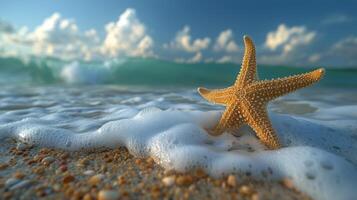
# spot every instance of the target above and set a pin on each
(178, 140)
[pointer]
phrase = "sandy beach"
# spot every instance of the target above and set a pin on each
(29, 173)
(145, 136)
(178, 100)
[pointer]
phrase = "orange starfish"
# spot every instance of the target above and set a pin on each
(246, 101)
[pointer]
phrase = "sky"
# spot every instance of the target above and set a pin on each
(293, 32)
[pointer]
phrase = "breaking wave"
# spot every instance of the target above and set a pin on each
(147, 72)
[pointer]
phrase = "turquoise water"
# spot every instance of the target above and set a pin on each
(149, 72)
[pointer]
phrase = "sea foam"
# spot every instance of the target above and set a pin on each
(320, 160)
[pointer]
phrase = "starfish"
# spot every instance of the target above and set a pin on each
(246, 101)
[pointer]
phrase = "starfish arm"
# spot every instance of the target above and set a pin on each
(268, 90)
(221, 96)
(248, 69)
(257, 118)
(231, 119)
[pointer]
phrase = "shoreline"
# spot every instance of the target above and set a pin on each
(33, 172)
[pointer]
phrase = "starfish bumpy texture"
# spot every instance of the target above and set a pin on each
(246, 101)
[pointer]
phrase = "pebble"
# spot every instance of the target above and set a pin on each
(150, 160)
(96, 179)
(20, 184)
(48, 160)
(232, 181)
(38, 170)
(82, 162)
(155, 191)
(56, 187)
(3, 166)
(168, 181)
(224, 185)
(63, 168)
(11, 181)
(18, 175)
(138, 161)
(255, 197)
(87, 197)
(68, 178)
(44, 151)
(38, 158)
(108, 195)
(192, 188)
(184, 180)
(103, 168)
(245, 190)
(89, 172)
(288, 183)
(121, 180)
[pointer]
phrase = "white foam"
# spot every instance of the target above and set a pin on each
(315, 159)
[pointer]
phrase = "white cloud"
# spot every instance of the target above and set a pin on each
(314, 58)
(225, 42)
(127, 37)
(183, 42)
(336, 19)
(341, 53)
(195, 59)
(225, 59)
(9, 36)
(345, 49)
(288, 45)
(58, 36)
(346, 46)
(289, 38)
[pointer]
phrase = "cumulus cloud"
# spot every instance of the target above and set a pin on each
(58, 36)
(225, 42)
(127, 37)
(183, 41)
(288, 45)
(289, 38)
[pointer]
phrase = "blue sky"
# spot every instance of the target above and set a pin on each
(301, 32)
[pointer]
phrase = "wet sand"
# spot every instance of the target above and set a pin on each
(30, 172)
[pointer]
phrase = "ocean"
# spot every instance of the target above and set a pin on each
(151, 107)
(149, 73)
